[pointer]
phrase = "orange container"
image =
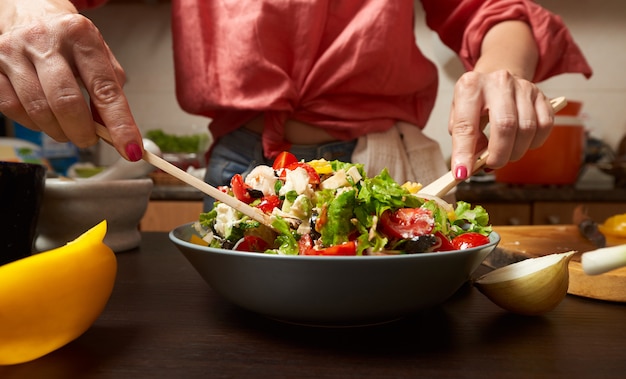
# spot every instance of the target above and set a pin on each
(556, 162)
(572, 108)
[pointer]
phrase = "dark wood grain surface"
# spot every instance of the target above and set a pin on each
(164, 321)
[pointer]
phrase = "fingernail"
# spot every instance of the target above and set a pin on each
(488, 170)
(134, 152)
(460, 173)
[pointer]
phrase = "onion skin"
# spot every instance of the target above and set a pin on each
(533, 292)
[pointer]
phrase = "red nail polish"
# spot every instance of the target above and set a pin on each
(134, 152)
(460, 173)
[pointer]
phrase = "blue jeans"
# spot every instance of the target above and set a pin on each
(240, 151)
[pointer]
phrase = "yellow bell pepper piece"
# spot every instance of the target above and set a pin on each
(614, 226)
(321, 166)
(412, 187)
(49, 299)
(198, 241)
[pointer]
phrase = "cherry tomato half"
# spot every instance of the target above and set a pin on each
(251, 243)
(283, 160)
(406, 223)
(469, 240)
(240, 189)
(268, 203)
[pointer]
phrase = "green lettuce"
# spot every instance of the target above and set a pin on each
(339, 215)
(470, 219)
(381, 192)
(287, 241)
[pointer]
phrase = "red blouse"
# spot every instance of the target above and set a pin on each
(348, 66)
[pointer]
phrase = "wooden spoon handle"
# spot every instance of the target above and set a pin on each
(441, 186)
(176, 172)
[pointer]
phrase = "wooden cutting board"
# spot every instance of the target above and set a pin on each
(522, 242)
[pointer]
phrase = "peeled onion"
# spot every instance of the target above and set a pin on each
(530, 287)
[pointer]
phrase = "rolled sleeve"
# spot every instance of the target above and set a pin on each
(464, 28)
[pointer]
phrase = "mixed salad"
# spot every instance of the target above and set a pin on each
(332, 208)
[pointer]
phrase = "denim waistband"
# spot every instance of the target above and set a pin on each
(247, 142)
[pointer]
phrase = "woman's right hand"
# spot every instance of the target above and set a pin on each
(48, 54)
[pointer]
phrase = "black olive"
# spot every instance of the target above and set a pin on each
(419, 244)
(314, 233)
(255, 194)
(228, 245)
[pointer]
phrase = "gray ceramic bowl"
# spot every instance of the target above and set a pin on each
(332, 291)
(71, 207)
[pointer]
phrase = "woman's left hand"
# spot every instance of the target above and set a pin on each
(520, 118)
(499, 89)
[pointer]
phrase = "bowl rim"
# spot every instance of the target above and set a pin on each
(494, 239)
(21, 163)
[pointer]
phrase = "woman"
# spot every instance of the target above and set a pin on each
(326, 78)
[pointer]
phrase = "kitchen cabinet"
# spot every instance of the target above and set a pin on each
(164, 215)
(542, 205)
(561, 212)
(548, 212)
(508, 214)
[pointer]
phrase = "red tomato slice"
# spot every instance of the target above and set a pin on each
(268, 203)
(239, 188)
(305, 243)
(346, 248)
(283, 160)
(469, 240)
(406, 223)
(251, 243)
(446, 244)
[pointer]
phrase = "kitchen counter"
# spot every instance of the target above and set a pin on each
(592, 186)
(164, 321)
(176, 193)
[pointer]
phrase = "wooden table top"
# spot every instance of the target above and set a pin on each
(164, 321)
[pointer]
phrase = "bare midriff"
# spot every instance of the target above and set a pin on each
(296, 132)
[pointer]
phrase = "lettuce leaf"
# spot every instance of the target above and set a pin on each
(381, 192)
(470, 220)
(286, 240)
(339, 215)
